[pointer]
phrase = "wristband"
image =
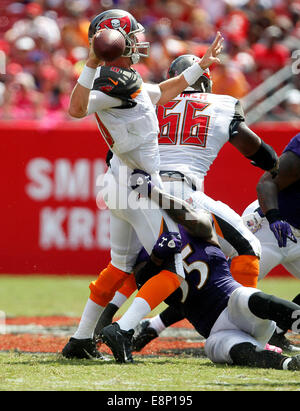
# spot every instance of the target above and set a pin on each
(273, 215)
(86, 78)
(192, 74)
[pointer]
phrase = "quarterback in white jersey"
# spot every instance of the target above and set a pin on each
(194, 126)
(127, 121)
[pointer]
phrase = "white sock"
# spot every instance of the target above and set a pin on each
(89, 319)
(157, 324)
(138, 310)
(286, 363)
(119, 299)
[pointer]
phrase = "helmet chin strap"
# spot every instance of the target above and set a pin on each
(135, 58)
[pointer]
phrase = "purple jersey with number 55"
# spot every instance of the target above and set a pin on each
(208, 283)
(289, 198)
(209, 280)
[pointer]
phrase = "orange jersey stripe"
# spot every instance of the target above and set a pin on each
(217, 227)
(133, 95)
(161, 230)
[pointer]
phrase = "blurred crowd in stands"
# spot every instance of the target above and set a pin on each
(43, 46)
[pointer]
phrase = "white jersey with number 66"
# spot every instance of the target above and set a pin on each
(193, 128)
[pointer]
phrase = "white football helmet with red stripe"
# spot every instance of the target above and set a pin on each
(125, 23)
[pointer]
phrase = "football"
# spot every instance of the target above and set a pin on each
(108, 44)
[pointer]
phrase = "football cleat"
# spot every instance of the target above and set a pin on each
(119, 341)
(85, 348)
(294, 364)
(280, 340)
(143, 335)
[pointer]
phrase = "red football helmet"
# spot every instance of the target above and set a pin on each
(124, 22)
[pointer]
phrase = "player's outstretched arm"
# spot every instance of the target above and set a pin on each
(79, 101)
(176, 85)
(198, 224)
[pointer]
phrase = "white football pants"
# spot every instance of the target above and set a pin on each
(135, 221)
(235, 325)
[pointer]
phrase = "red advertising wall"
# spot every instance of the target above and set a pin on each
(50, 223)
(49, 220)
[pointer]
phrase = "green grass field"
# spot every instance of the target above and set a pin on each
(50, 295)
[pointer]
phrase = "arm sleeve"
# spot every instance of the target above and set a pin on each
(99, 101)
(238, 117)
(154, 92)
(239, 112)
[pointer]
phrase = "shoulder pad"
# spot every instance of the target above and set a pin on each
(119, 82)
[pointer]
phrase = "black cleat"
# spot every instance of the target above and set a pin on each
(143, 335)
(294, 364)
(280, 340)
(119, 341)
(85, 348)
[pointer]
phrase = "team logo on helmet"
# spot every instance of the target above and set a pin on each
(115, 24)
